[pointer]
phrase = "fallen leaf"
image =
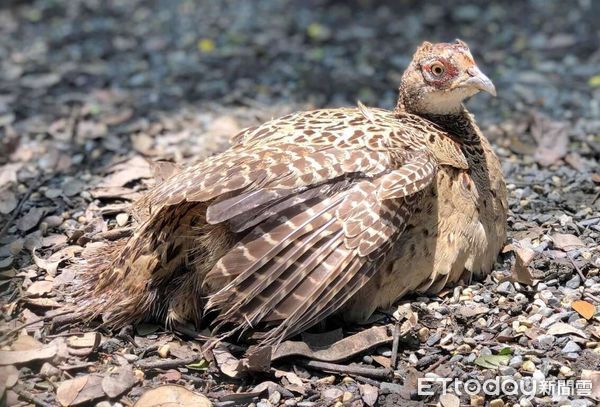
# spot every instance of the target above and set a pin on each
(40, 288)
(524, 255)
(128, 171)
(8, 173)
(87, 340)
(492, 361)
(45, 264)
(341, 350)
(171, 375)
(172, 395)
(369, 394)
(383, 361)
(551, 138)
(118, 382)
(594, 377)
(566, 242)
(8, 376)
(26, 342)
(161, 170)
(80, 390)
(561, 328)
(8, 201)
(228, 364)
(31, 218)
(584, 308)
(449, 400)
(17, 357)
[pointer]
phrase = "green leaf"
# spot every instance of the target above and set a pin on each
(492, 361)
(202, 364)
(505, 351)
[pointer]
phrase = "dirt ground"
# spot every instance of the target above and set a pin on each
(91, 90)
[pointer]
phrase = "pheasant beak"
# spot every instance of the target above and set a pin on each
(479, 80)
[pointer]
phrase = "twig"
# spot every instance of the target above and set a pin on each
(348, 370)
(577, 269)
(17, 210)
(31, 398)
(395, 345)
(114, 234)
(438, 362)
(32, 322)
(368, 381)
(165, 364)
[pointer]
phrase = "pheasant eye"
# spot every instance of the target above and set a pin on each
(437, 69)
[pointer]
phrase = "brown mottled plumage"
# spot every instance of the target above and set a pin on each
(320, 212)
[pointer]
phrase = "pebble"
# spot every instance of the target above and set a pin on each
(423, 334)
(566, 371)
(505, 287)
(496, 403)
(477, 400)
(122, 219)
(574, 282)
(571, 347)
(528, 366)
(538, 375)
(275, 398)
(290, 403)
(545, 341)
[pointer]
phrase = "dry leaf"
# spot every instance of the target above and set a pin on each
(17, 357)
(383, 361)
(31, 218)
(551, 138)
(8, 201)
(566, 242)
(46, 264)
(40, 287)
(117, 384)
(172, 395)
(87, 340)
(594, 377)
(228, 364)
(80, 390)
(584, 308)
(368, 393)
(8, 376)
(524, 255)
(449, 400)
(561, 328)
(26, 342)
(341, 350)
(8, 173)
(128, 171)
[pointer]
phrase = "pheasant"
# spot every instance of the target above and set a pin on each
(332, 211)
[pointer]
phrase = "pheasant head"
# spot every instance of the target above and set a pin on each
(439, 78)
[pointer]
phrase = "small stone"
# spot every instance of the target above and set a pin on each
(290, 403)
(477, 400)
(566, 371)
(464, 348)
(449, 400)
(47, 370)
(545, 341)
(507, 370)
(347, 397)
(538, 375)
(164, 351)
(423, 334)
(368, 359)
(122, 219)
(275, 398)
(571, 347)
(574, 282)
(525, 403)
(496, 403)
(528, 366)
(505, 287)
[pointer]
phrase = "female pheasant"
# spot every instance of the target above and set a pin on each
(315, 213)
